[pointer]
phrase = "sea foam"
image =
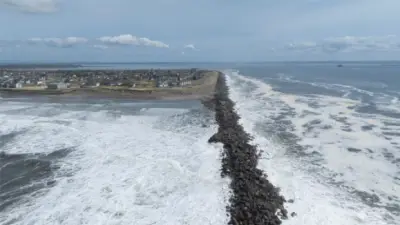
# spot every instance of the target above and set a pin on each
(306, 153)
(146, 168)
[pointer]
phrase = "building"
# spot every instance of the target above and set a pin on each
(57, 86)
(185, 82)
(19, 85)
(52, 86)
(162, 84)
(62, 85)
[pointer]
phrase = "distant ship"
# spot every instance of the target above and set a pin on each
(340, 65)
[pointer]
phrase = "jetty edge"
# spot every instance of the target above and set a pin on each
(254, 200)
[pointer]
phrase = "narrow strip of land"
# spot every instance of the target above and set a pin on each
(254, 199)
(132, 84)
(198, 89)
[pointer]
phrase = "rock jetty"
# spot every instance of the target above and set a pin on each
(254, 200)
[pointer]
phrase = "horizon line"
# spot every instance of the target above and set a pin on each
(177, 62)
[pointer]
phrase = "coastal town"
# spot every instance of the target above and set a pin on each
(73, 79)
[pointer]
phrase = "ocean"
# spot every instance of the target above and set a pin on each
(330, 138)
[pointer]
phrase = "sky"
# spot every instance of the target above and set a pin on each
(194, 30)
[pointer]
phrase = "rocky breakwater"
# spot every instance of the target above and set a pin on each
(254, 200)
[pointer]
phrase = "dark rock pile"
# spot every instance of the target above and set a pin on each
(254, 199)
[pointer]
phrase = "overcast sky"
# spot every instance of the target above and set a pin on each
(199, 30)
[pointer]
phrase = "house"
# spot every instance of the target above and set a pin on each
(9, 85)
(41, 84)
(185, 82)
(19, 85)
(62, 85)
(161, 84)
(52, 86)
(57, 86)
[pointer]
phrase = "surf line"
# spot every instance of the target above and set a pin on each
(254, 200)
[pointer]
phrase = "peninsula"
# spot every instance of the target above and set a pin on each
(136, 84)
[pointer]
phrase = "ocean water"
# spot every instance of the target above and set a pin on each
(330, 135)
(93, 161)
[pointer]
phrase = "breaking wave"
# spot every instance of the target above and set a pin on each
(128, 163)
(331, 148)
(338, 164)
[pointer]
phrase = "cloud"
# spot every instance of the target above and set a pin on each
(128, 39)
(190, 46)
(59, 42)
(348, 44)
(99, 43)
(32, 6)
(100, 46)
(302, 46)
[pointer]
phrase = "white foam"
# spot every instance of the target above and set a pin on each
(6, 106)
(317, 202)
(124, 170)
(388, 103)
(341, 87)
(383, 101)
